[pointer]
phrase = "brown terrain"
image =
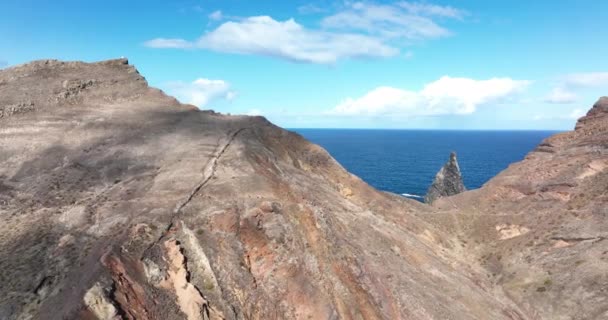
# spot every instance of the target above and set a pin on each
(118, 202)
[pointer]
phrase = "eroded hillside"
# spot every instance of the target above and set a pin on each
(118, 202)
(541, 226)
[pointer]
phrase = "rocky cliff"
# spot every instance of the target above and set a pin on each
(448, 181)
(118, 202)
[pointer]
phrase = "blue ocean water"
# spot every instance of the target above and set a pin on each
(406, 161)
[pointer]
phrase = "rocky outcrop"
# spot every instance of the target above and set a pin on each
(97, 302)
(9, 110)
(190, 301)
(448, 181)
(598, 112)
(117, 201)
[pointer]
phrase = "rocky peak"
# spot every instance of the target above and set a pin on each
(448, 181)
(601, 106)
(599, 111)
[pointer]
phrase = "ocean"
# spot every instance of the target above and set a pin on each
(406, 161)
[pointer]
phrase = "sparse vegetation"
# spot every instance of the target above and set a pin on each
(208, 285)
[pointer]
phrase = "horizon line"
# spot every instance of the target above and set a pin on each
(424, 129)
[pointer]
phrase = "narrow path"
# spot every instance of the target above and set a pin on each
(208, 173)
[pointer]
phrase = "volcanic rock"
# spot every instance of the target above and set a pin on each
(117, 201)
(448, 181)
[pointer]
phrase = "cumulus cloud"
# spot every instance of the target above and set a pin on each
(284, 39)
(560, 95)
(201, 91)
(357, 30)
(447, 95)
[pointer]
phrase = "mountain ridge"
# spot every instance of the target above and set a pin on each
(120, 202)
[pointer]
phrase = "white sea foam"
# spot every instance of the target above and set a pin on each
(411, 195)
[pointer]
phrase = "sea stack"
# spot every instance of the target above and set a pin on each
(448, 181)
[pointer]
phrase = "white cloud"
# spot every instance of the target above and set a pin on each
(402, 20)
(231, 95)
(310, 9)
(565, 91)
(254, 112)
(216, 15)
(589, 79)
(168, 43)
(201, 91)
(573, 115)
(560, 95)
(423, 8)
(576, 113)
(284, 39)
(444, 96)
(357, 30)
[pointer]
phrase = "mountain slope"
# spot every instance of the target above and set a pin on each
(541, 225)
(119, 202)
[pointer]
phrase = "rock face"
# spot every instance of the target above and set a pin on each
(118, 202)
(448, 181)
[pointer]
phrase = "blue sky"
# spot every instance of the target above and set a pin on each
(373, 64)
